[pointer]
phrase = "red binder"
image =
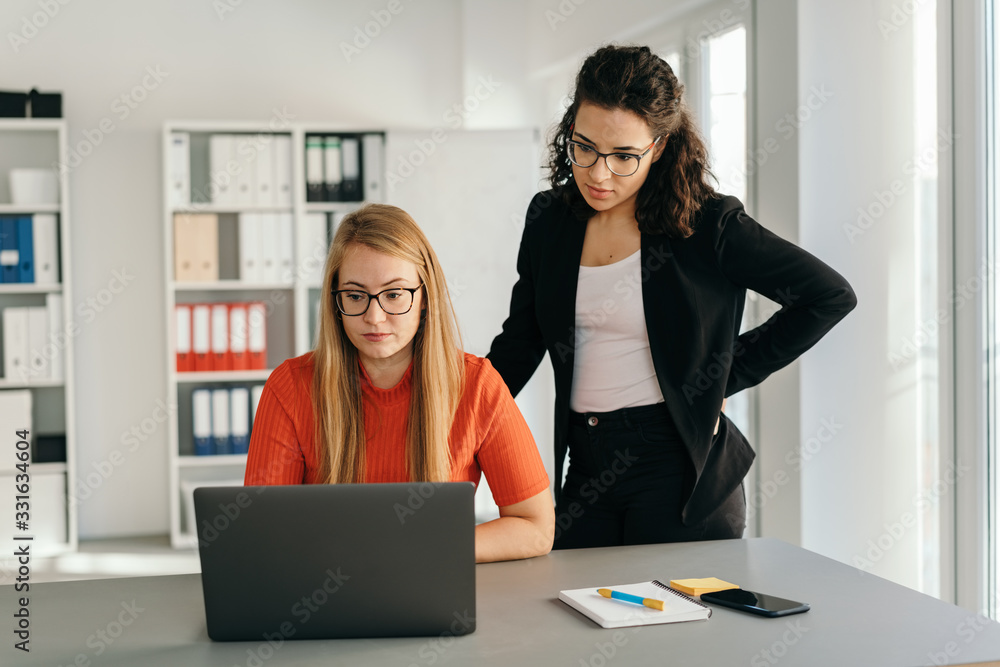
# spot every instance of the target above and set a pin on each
(182, 324)
(238, 334)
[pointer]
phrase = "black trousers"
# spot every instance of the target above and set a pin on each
(628, 479)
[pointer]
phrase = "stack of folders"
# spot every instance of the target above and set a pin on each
(343, 167)
(29, 250)
(245, 170)
(33, 341)
(222, 418)
(266, 254)
(221, 336)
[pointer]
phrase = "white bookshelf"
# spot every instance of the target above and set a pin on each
(42, 143)
(289, 325)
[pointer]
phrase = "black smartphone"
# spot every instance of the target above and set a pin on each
(755, 603)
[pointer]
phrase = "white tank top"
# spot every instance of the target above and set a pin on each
(612, 367)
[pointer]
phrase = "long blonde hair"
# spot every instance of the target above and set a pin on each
(437, 359)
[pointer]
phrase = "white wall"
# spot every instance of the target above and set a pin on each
(860, 485)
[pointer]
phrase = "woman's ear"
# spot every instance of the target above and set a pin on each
(658, 148)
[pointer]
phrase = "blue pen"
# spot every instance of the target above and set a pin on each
(618, 595)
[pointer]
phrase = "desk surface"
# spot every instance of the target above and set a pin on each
(856, 619)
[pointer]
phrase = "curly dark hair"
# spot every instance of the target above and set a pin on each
(635, 79)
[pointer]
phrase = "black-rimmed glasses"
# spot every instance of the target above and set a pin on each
(394, 301)
(619, 164)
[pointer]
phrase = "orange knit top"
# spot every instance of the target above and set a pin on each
(489, 434)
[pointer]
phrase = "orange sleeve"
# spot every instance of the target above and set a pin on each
(275, 455)
(507, 452)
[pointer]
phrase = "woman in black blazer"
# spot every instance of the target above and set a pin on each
(632, 275)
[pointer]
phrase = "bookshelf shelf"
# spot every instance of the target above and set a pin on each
(42, 143)
(290, 305)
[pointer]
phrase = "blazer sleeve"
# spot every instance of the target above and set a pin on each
(813, 297)
(519, 348)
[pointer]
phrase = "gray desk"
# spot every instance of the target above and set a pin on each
(856, 619)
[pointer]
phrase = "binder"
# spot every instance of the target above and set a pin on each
(351, 161)
(57, 336)
(250, 248)
(264, 172)
(317, 245)
(180, 170)
(255, 392)
(222, 185)
(239, 419)
(182, 324)
(9, 261)
(220, 337)
(283, 171)
(220, 422)
(332, 172)
(46, 248)
(196, 247)
(238, 336)
(15, 344)
(201, 413)
(246, 176)
(257, 336)
(15, 414)
(371, 166)
(314, 169)
(38, 331)
(285, 262)
(201, 341)
(269, 239)
(25, 250)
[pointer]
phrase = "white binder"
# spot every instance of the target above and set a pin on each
(282, 165)
(45, 230)
(315, 247)
(285, 263)
(333, 173)
(371, 160)
(246, 178)
(250, 248)
(15, 344)
(270, 241)
(220, 420)
(201, 328)
(314, 169)
(180, 170)
(38, 333)
(222, 184)
(57, 336)
(264, 171)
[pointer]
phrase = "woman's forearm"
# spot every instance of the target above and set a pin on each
(511, 538)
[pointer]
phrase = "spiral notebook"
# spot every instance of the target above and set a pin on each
(609, 613)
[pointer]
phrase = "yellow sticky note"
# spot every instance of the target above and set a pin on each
(697, 587)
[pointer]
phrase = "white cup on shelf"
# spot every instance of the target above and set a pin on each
(30, 186)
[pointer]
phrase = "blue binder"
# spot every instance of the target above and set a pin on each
(201, 400)
(25, 250)
(9, 270)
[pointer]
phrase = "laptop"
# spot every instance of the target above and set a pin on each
(329, 561)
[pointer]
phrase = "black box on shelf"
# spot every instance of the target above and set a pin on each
(49, 449)
(45, 105)
(13, 105)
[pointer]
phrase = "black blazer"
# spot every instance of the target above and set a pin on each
(693, 293)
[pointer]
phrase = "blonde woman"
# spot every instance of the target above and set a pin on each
(387, 395)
